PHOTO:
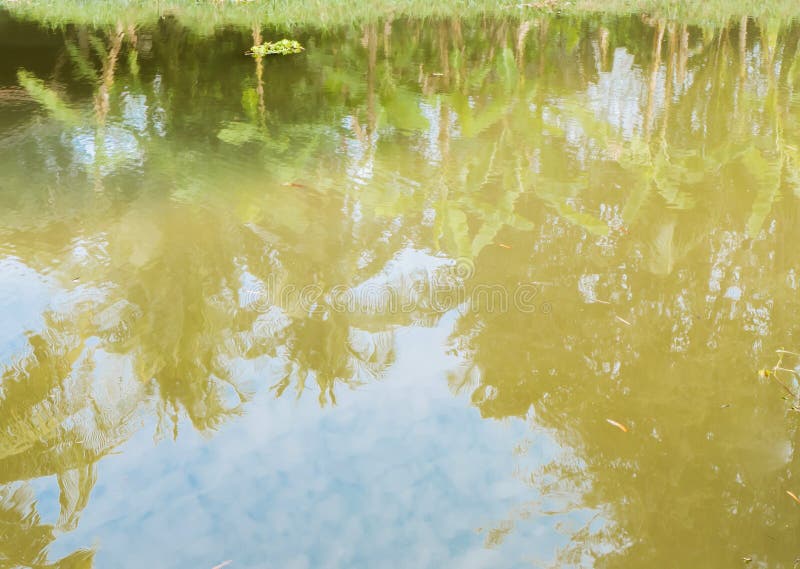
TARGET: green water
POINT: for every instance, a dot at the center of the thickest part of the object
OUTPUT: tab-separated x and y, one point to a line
478	294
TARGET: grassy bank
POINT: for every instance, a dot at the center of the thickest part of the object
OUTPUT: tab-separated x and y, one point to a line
207	14
693	11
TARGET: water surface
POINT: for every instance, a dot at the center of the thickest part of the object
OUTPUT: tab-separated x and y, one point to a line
450	293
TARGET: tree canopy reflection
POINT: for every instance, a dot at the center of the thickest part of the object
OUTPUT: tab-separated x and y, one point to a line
641	172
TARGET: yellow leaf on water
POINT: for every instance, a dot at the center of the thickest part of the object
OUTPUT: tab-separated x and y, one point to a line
618	425
794	497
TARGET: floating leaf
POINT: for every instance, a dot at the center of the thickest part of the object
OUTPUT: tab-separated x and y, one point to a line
794	496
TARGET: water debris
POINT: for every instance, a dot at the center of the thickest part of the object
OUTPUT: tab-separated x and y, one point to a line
773	374
504	246
280	47
793	496
621	319
223	564
293	185
725	406
787	352
618	425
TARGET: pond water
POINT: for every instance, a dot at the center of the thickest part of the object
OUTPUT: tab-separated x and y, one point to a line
448	293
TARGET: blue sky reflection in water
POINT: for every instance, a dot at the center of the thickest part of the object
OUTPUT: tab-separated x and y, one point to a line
390	470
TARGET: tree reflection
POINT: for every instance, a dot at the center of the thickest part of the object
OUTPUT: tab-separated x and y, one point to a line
641	172
687	284
25	538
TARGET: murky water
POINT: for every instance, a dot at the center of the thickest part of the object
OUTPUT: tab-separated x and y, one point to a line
431	294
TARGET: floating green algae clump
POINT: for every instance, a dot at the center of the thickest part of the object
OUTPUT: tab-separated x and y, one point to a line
282	47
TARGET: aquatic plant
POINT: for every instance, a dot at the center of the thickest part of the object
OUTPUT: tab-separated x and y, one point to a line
280	47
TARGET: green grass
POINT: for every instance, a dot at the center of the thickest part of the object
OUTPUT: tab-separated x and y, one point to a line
205	15
695	11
